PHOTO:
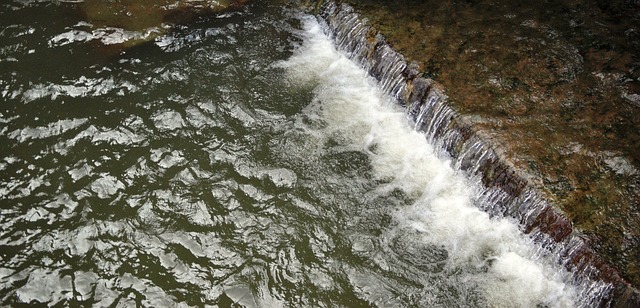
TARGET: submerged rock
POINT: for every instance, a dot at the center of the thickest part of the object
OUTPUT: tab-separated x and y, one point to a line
128	23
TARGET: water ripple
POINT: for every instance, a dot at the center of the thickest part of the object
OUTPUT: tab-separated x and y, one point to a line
82	87
53	129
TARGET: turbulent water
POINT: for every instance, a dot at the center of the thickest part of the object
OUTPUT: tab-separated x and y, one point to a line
240	160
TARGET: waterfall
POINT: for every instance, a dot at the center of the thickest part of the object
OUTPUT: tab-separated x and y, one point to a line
504	191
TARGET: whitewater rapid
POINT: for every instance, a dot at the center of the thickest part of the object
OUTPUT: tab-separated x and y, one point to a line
489	254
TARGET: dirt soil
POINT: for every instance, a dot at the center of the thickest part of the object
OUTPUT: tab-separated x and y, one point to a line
555	84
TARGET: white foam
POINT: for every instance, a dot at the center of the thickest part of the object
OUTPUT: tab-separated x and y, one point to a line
352	108
107	35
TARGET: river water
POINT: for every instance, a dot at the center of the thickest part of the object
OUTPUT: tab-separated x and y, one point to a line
239	160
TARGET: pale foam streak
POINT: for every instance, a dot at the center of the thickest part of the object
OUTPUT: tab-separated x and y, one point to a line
501	260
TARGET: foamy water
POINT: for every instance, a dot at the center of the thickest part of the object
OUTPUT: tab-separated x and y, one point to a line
486	253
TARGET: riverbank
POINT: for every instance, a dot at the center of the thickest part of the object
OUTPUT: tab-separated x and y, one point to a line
554	86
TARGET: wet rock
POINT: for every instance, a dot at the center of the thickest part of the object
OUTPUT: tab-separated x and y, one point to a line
412	70
553	223
419	89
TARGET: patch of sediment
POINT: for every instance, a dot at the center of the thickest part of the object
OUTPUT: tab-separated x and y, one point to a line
507	191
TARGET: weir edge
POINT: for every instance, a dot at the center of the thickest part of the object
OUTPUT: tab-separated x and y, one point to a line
507	191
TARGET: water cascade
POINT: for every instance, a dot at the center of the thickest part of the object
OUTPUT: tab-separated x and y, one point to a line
504	192
441	222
